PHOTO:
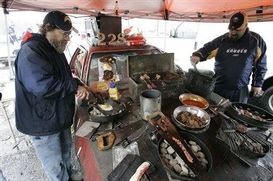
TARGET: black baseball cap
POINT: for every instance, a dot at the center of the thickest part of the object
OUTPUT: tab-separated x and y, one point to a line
237	20
59	19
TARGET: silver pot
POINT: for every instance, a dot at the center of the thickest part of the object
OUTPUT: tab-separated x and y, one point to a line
193	110
201	82
150	102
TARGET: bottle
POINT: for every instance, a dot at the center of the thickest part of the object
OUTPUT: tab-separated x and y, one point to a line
113	91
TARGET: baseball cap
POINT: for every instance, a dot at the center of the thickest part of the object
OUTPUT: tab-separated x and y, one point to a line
59	19
237	20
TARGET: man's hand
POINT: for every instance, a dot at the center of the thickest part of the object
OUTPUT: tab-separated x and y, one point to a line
256	91
195	60
82	93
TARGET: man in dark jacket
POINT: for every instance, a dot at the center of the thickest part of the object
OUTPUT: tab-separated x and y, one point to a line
45	94
238	54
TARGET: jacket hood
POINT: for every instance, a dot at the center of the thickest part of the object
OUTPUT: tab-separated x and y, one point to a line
32	36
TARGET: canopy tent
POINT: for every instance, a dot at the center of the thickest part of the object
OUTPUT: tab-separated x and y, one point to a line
186	10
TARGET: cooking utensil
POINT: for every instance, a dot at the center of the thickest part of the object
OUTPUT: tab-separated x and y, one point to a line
248	145
147	84
193	100
150	82
193	110
240	128
234	111
134	136
189	137
168	132
123	133
229	145
194	66
236	126
201	83
157	77
254	152
150	102
119	109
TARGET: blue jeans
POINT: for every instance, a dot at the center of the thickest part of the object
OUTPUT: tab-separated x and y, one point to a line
2	178
54	151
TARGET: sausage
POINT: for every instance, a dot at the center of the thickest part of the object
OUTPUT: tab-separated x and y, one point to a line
140	171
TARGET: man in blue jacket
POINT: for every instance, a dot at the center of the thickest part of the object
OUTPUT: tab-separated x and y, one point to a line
238	54
45	94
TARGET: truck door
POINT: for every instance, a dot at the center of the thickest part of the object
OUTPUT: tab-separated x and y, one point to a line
77	62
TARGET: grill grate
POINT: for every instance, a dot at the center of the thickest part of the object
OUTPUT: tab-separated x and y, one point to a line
248	146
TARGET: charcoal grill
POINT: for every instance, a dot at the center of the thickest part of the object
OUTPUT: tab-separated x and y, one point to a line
240	143
170	83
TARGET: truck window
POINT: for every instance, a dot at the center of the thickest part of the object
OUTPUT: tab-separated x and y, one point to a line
79	62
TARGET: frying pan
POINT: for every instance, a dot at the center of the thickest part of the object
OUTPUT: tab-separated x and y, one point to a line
119	109
110	116
204	148
233	112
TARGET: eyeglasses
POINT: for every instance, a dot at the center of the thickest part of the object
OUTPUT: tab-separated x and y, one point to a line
66	34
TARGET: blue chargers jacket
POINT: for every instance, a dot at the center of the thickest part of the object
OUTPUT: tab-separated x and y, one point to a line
235	61
45	88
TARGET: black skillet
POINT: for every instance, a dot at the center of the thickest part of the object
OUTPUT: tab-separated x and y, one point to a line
233	111
189	137
119	109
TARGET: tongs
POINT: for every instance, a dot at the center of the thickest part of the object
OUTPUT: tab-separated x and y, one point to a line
236	126
149	80
194	66
157	77
144	80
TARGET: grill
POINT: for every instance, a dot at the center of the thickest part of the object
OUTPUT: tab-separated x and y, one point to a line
246	143
247	147
155	71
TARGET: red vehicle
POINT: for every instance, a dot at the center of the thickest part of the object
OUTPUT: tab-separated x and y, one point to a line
84	64
97	164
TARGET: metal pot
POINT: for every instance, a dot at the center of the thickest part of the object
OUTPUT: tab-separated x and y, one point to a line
193	110
200	82
150	102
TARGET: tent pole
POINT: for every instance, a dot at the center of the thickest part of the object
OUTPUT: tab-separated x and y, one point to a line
165	38
11	73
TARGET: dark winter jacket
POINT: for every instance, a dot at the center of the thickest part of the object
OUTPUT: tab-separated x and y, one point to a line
45	89
236	60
